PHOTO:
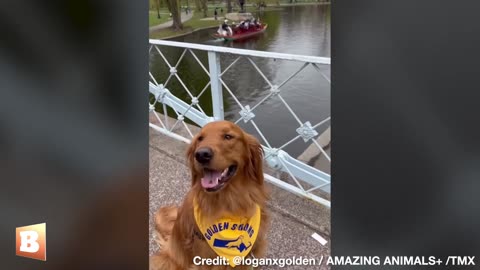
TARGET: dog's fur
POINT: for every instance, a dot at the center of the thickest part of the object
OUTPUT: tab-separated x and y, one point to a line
176	227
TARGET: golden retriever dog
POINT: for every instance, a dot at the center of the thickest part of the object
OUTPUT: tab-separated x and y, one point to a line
227	179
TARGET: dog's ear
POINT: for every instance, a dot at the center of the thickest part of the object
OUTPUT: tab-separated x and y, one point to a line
191	157
254	166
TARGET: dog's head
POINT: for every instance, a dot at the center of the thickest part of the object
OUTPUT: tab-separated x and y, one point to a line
222	153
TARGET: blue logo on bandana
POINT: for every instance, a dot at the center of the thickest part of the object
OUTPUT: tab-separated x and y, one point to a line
237	243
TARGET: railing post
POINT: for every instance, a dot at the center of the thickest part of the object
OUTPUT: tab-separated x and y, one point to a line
215	84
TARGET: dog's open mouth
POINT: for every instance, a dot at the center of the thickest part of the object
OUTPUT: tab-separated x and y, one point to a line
214	180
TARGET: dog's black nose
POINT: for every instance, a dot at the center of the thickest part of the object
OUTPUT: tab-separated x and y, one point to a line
204	155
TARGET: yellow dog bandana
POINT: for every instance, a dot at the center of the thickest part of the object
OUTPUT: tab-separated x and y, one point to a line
229	236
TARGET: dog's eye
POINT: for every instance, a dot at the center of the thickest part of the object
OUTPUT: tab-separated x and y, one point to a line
228	137
200	138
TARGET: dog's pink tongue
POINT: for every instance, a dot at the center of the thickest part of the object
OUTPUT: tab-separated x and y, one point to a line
210	179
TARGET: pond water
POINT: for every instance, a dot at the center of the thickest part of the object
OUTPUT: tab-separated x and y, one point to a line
303	30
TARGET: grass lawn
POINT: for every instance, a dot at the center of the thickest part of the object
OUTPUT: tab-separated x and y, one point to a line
194	23
153	20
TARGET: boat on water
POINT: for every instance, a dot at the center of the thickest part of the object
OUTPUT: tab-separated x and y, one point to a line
242	34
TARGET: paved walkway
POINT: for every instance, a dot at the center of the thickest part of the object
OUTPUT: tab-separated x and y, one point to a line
294	219
185	17
219	19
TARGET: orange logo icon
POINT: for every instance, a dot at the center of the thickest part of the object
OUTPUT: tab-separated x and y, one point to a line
31	241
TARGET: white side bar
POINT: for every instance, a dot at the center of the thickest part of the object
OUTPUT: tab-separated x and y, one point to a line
169	133
216	85
283	56
305	172
180	105
279	183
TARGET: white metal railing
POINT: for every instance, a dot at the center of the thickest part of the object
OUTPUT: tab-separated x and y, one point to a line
275	157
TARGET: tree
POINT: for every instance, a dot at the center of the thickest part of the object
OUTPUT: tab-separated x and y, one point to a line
229	6
204	7
157	4
198	5
174	8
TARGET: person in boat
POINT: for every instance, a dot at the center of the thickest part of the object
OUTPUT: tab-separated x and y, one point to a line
229	29
235	27
241	26
244	26
224	29
258	23
255	23
247	24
